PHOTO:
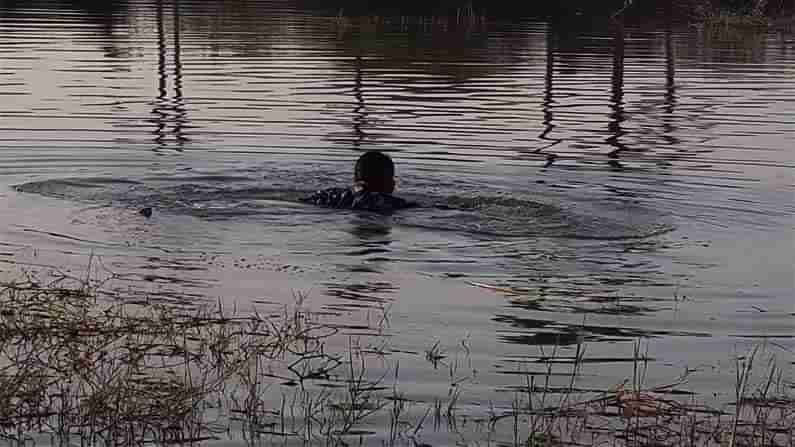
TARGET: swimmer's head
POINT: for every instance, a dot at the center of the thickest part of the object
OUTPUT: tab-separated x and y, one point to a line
375	172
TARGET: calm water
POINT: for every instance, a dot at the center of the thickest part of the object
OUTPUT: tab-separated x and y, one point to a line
579	182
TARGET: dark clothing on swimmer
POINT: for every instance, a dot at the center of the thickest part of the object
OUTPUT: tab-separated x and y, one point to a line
349	198
374	183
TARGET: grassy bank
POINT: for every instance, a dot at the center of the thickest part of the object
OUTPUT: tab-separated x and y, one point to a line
80	369
755	13
743	13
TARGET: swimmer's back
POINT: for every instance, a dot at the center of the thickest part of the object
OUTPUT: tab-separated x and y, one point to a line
348	198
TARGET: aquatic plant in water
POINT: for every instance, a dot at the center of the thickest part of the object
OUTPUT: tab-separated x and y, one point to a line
77	368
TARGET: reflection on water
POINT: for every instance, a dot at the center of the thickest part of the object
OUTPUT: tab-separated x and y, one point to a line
382	84
579	181
169	111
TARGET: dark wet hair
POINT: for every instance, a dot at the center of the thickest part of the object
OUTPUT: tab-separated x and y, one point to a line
374	168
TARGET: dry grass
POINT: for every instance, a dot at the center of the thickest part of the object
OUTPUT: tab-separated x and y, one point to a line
74	368
77	370
630	414
728	19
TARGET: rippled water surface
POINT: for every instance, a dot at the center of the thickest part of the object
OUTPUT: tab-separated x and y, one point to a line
578	181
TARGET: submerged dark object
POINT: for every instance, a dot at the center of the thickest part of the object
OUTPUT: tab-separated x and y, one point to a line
146	212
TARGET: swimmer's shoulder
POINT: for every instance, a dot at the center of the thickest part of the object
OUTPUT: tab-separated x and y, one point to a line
380	202
330	197
348	198
399	203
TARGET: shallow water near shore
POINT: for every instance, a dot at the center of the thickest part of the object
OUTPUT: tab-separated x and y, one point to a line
579	182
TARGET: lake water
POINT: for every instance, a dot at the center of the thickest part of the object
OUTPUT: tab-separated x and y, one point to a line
579	182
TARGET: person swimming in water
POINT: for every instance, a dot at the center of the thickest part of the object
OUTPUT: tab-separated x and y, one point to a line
373	185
